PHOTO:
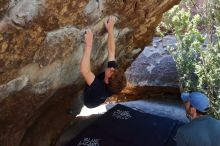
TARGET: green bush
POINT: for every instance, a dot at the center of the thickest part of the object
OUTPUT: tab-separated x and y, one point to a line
198	63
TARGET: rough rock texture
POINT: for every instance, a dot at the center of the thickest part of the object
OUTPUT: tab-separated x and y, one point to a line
153	74
154	66
40	50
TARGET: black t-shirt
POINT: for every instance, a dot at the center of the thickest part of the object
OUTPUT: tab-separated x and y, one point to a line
97	92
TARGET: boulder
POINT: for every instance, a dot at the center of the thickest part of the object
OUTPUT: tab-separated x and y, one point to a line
152	75
154	66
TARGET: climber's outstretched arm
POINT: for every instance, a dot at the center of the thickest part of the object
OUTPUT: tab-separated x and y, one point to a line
85	68
109	24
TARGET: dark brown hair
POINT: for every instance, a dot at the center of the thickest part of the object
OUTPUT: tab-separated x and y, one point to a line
117	81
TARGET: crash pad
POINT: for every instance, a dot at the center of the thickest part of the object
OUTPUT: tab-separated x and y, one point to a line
124	126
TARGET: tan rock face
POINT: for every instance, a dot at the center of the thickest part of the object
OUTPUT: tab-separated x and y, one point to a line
41	43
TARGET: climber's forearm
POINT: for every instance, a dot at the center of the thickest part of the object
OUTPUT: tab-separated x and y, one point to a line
85	62
85	68
111	46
